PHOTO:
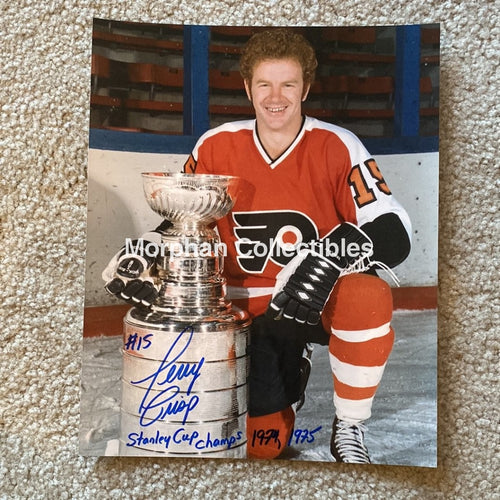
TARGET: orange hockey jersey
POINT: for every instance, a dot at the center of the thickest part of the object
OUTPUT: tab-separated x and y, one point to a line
324	178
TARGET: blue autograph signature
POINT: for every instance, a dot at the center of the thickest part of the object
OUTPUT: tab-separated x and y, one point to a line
170	401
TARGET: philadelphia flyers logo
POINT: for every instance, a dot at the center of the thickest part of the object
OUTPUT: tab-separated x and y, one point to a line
190	165
270	235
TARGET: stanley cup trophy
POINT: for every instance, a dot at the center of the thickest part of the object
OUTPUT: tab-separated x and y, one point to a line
185	359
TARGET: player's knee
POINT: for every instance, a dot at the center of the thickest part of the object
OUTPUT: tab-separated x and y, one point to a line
358	302
268	435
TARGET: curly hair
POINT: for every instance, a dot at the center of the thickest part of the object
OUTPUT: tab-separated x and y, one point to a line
279	43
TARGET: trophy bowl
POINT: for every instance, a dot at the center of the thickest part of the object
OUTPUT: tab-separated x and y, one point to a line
194	198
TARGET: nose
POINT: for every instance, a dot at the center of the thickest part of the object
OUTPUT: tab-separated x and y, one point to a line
275	92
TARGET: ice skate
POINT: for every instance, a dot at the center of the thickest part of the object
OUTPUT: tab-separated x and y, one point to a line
347	443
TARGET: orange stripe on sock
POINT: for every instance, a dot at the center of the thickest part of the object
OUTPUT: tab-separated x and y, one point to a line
354	393
373	352
359	302
352	318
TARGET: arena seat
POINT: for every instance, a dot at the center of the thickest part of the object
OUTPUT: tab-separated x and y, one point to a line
353	45
225	80
105	101
128	42
363	35
154	76
429	43
153	106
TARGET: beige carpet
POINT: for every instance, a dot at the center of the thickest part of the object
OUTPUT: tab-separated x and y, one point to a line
44	94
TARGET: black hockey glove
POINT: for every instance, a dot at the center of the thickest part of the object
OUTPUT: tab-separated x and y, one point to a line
129	277
304	285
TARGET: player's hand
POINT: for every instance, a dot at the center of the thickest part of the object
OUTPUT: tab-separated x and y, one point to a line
304	285
131	278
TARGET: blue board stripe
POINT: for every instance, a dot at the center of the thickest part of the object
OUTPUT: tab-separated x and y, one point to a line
183	144
140	142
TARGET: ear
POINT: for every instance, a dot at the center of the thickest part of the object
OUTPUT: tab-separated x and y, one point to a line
305	93
247	89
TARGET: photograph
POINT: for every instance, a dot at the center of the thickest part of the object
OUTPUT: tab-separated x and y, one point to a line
262	243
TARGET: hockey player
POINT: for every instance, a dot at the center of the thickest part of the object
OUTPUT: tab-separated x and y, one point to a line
312	223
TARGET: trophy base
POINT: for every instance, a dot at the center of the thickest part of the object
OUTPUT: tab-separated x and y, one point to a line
184	384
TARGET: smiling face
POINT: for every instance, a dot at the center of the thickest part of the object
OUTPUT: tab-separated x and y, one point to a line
277	90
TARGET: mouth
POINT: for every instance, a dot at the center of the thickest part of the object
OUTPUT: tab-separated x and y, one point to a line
275	109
